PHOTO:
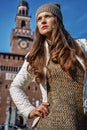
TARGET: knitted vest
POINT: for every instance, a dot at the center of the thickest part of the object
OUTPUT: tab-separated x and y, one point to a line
66	101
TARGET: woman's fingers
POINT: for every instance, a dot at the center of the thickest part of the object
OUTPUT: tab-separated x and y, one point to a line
37	113
40	111
34	113
43	108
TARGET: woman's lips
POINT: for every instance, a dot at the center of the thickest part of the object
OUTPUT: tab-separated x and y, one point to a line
44	27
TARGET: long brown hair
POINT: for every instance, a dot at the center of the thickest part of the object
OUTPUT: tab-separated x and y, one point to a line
62	51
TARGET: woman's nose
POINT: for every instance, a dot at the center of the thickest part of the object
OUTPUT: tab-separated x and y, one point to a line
43	20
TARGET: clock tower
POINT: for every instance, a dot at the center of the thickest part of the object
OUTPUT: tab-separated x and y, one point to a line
21	37
11	63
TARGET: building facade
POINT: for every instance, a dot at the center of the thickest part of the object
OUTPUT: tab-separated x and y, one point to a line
21	42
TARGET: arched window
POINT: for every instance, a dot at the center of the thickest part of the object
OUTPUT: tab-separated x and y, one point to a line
23	12
23	23
19	12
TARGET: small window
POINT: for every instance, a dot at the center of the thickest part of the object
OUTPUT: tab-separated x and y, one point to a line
28	87
23	12
23	24
35	88
6	86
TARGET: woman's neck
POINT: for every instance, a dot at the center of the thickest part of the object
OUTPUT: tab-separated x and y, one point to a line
49	41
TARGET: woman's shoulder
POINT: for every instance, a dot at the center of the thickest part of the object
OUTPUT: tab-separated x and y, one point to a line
82	42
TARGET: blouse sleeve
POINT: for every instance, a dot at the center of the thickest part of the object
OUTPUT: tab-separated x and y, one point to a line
18	95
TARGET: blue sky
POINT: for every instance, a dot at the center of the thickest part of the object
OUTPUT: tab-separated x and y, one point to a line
74	17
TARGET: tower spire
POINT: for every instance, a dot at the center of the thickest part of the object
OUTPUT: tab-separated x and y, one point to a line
23	3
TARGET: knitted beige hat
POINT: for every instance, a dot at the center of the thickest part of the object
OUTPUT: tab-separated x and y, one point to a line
53	8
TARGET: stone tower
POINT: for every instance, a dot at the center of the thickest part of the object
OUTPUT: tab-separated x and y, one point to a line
21	37
10	63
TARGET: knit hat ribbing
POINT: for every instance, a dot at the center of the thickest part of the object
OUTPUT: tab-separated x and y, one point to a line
52	8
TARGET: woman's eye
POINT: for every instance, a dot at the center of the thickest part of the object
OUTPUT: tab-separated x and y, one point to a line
48	16
38	19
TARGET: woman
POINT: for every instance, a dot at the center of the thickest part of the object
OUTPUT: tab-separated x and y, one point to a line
58	65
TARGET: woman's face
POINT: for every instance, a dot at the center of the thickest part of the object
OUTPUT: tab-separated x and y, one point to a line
46	23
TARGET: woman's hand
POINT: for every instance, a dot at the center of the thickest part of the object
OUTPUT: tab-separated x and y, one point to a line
41	111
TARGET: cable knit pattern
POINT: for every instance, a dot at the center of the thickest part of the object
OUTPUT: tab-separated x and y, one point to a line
66	101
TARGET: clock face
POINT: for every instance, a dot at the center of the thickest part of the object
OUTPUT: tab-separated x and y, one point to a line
23	44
